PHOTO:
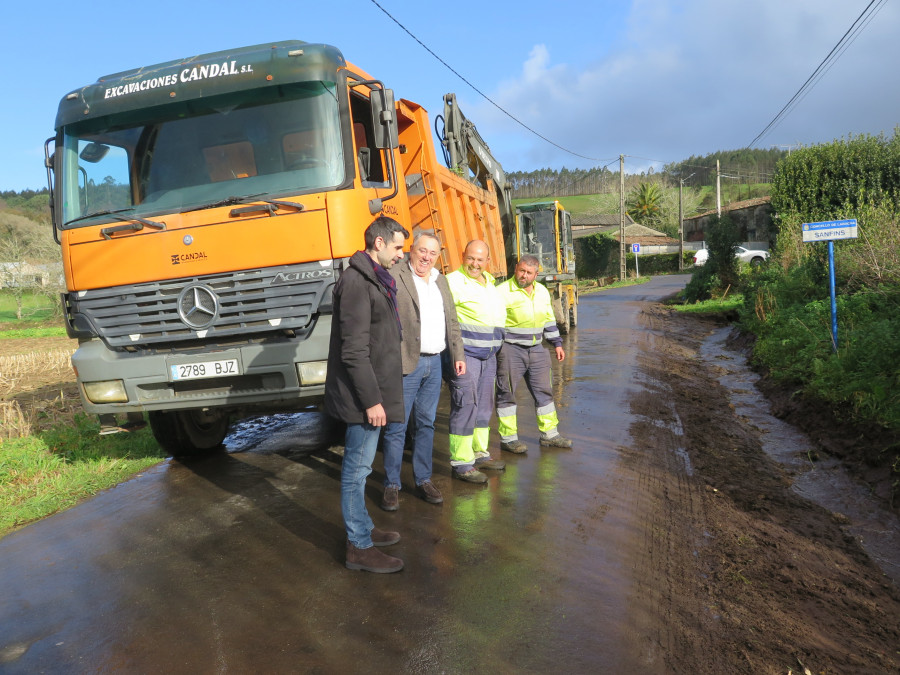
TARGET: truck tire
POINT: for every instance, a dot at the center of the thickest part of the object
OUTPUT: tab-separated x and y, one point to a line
189	432
561	310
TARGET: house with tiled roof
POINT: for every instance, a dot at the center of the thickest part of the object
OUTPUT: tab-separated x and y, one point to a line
753	217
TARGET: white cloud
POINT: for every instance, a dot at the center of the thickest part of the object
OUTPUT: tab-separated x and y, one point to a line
691	78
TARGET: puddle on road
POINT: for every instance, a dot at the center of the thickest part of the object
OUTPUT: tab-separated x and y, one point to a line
300	432
824	482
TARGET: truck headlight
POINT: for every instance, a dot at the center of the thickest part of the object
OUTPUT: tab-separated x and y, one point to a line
105	391
312	372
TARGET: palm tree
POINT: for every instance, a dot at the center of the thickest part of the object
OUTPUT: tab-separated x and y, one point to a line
643	203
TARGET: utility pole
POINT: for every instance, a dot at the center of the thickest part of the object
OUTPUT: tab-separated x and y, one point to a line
718	190
622	271
681	222
681	225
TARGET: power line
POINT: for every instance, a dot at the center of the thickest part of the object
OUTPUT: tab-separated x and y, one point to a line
826	64
481	93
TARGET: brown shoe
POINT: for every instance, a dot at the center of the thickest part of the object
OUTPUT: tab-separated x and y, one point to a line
470	476
516	447
488	463
391	499
384	537
430	493
371	560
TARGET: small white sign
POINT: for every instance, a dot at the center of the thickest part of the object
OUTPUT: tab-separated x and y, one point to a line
828	230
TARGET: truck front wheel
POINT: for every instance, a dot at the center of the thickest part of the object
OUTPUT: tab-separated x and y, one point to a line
189	432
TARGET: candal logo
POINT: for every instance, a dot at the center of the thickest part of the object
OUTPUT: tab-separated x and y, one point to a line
179	258
305	275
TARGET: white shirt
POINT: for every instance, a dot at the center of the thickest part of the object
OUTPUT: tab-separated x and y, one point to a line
432	339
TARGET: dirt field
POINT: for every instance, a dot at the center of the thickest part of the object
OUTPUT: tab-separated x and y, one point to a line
744	575
37	388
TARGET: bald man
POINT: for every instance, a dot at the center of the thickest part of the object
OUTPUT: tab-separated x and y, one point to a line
482	314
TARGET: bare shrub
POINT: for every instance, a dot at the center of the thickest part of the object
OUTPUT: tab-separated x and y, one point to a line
874	258
13	422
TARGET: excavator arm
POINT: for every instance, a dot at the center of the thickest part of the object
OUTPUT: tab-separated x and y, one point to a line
467	154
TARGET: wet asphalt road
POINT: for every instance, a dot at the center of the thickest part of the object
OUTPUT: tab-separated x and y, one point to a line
234	563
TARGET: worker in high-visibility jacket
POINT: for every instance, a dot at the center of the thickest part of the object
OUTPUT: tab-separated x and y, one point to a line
529	320
481	313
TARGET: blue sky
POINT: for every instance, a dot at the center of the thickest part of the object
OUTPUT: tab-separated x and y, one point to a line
656	80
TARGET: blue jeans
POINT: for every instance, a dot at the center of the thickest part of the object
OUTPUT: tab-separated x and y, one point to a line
421	387
359	451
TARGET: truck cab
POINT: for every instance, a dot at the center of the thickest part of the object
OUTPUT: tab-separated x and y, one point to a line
544	230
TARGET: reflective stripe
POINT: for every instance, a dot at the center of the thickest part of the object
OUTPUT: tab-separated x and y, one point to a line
481	336
461	450
506	411
546	409
480	441
525	337
548	422
551	332
508	427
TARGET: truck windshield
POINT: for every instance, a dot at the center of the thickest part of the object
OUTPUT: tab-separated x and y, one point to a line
539	237
277	141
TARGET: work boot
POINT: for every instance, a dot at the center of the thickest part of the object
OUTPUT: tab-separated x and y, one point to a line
470	476
371	560
384	537
430	493
391	499
516	447
489	463
556	442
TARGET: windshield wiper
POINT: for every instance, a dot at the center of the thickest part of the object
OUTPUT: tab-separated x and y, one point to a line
134	222
267	206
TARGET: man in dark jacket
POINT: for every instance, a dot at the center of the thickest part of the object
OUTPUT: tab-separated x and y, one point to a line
364	385
428	317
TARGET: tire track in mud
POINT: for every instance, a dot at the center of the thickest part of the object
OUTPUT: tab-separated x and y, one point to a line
669	606
737	573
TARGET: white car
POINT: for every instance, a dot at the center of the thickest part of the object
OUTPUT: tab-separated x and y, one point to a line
751	256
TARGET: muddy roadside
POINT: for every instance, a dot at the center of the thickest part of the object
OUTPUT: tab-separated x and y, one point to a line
750	576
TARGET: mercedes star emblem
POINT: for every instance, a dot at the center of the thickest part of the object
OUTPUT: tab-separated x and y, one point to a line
198	307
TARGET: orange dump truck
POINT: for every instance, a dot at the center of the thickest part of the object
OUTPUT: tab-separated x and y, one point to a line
205	208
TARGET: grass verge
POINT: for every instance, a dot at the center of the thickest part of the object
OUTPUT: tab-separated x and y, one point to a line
51	456
54	470
35	332
727	306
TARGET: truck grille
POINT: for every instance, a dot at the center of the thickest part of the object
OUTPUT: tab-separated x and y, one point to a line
205	308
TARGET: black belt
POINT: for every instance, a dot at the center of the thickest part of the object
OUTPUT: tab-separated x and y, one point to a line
424	354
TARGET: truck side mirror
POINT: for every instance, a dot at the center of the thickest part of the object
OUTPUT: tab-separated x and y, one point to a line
384	119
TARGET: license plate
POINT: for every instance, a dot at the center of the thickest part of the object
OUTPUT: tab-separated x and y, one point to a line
202	369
